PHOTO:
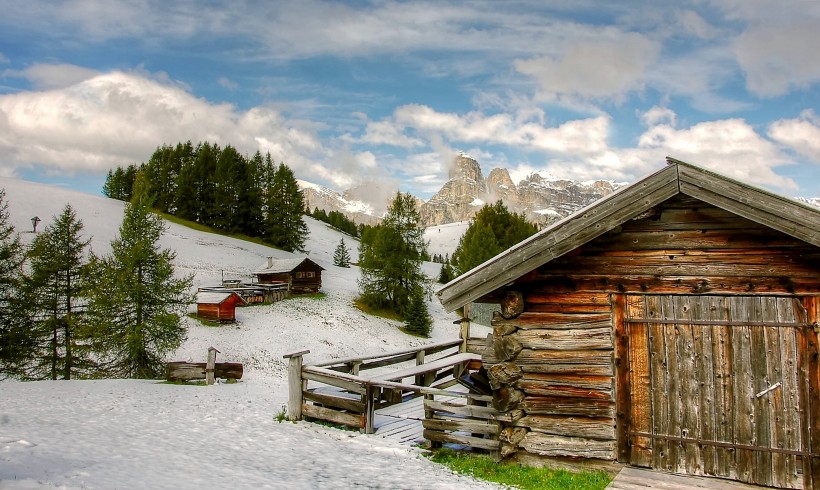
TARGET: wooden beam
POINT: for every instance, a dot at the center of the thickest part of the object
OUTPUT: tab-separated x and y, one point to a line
622	388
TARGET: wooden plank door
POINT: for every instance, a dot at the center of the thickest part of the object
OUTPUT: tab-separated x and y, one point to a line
716	388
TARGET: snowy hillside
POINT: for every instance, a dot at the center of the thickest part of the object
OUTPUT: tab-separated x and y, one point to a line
141	434
443	239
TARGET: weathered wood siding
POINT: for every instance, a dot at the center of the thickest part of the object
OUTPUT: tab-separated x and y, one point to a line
553	367
715	387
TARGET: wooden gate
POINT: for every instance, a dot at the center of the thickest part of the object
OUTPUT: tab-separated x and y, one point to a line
720	385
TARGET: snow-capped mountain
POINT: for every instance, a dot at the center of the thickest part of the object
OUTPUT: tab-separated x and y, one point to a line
814	201
317	196
541	197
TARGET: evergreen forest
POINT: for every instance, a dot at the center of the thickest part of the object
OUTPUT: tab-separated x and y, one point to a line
220	188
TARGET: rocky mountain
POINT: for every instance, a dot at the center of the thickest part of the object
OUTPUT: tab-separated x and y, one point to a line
317	196
813	201
542	198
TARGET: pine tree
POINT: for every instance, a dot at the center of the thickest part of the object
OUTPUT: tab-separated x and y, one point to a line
14	339
493	230
135	300
55	290
417	318
390	257
341	256
285	227
446	274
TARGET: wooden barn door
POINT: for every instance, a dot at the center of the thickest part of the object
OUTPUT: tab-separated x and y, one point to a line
720	385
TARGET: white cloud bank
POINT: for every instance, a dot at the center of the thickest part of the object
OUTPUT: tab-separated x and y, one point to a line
117	118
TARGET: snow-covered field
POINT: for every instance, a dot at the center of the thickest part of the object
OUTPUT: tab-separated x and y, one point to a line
144	434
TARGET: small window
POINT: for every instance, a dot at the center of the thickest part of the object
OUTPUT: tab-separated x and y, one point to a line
300	275
310	274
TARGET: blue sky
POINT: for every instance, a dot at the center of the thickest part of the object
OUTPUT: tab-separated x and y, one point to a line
385	93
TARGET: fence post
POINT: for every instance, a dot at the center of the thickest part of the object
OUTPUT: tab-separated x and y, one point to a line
464	332
295	384
369	408
210	366
419	361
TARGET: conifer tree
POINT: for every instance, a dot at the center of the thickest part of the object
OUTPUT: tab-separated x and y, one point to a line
417	319
341	256
446	274
390	257
54	291
284	225
135	300
493	230
14	338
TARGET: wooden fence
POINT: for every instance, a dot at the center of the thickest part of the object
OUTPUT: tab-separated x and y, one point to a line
340	392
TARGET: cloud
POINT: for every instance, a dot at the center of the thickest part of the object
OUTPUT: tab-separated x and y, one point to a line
659	115
802	134
44	76
778	58
387	133
582	136
729	146
227	83
692	23
597	69
4	58
118	118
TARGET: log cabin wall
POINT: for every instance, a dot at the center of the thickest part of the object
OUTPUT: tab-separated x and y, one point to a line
552	361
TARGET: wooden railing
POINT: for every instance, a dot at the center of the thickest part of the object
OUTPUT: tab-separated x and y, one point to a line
343	391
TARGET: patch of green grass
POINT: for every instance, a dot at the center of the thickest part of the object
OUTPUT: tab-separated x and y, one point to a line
251	305
282	415
384	313
200	227
519	476
207	323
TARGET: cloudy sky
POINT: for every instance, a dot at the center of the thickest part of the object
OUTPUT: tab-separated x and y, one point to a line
348	93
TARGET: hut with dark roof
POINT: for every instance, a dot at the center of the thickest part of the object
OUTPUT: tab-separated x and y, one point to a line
302	275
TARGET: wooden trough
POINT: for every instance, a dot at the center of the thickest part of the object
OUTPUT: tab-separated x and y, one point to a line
191	371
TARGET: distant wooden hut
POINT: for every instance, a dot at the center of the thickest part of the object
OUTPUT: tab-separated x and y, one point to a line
218	306
301	274
670	325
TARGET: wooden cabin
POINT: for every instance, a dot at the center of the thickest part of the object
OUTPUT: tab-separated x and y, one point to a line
302	275
219	306
671	325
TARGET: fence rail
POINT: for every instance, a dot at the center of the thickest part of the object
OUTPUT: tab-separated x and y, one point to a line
339	392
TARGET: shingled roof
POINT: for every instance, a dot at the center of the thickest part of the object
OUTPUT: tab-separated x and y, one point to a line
277	266
766	208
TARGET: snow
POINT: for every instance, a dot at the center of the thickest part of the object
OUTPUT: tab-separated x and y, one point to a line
347	205
443	239
145	434
547	211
